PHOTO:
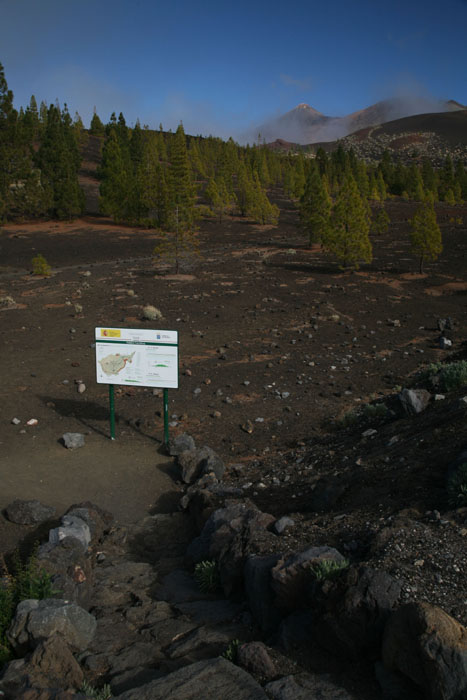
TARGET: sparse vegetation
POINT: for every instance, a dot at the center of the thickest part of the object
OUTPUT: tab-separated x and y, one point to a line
348	419
328	569
377	410
207	576
457	487
27	580
103	693
40	266
449	376
231	652
425	236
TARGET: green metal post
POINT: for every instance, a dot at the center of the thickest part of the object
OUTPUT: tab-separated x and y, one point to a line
166	417
112	411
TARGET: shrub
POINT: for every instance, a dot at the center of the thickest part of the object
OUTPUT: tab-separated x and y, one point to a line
40	266
452	375
348	419
232	651
207	576
204	212
29	581
328	569
378	410
457	487
103	693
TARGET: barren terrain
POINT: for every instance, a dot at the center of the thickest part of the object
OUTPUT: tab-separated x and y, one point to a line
276	345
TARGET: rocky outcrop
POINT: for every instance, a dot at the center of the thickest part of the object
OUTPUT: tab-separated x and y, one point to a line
429	647
217	678
356	609
28	512
147	629
37	620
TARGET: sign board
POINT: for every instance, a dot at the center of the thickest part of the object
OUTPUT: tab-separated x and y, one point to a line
137	357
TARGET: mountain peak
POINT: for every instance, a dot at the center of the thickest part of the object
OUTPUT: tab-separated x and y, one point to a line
306	108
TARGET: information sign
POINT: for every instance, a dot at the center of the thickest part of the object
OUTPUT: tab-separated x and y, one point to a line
137	357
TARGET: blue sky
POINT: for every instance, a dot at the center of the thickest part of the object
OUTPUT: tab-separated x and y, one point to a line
223	68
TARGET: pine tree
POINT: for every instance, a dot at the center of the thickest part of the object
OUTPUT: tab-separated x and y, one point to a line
179	242
8	148
244	188
381	221
461	178
182	191
58	159
425	236
96	127
218	195
116	186
347	237
258	205
315	208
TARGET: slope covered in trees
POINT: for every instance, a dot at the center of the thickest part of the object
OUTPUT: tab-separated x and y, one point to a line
169	181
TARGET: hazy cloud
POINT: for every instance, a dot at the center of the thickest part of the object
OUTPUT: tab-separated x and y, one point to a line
198	117
298	83
82	91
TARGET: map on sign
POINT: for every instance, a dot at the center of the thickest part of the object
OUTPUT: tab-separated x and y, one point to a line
137	357
113	364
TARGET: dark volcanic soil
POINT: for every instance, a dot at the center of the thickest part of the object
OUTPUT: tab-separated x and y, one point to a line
276	345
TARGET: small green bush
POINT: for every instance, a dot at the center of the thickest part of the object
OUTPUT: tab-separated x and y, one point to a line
231	652
40	266
103	693
207	576
377	410
348	419
457	487
29	581
204	212
449	376
328	569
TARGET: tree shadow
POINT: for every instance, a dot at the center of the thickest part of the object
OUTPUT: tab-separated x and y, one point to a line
89	412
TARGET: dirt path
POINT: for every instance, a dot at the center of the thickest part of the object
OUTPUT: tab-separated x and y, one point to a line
128	476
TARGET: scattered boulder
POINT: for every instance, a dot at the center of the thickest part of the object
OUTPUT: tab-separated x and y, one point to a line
414	400
229	536
292	576
305	686
7	302
357	607
73	441
36	620
199	461
71	526
97	519
70	570
205	496
281	525
254	658
28	512
222	678
425	644
181	443
150	313
444	343
52	665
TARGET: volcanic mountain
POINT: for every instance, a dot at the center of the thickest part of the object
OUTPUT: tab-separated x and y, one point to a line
306	125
